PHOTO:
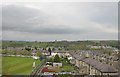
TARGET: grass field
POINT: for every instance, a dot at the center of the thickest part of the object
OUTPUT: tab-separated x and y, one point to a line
67	68
18	65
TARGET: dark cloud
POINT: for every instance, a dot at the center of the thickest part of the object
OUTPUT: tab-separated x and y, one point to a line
22	19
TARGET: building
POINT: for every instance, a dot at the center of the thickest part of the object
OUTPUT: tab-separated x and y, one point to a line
60	53
57	64
91	66
46	53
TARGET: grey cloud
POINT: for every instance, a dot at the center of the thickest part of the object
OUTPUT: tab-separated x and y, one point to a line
107	13
24	21
101	13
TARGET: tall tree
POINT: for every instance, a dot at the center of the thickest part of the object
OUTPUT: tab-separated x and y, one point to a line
49	50
56	58
36	48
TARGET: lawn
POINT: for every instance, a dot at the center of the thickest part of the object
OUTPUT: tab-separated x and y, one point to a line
18	65
67	67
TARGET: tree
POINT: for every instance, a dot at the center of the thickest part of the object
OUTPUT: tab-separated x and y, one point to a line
56	58
39	53
53	49
15	52
27	48
10	52
119	55
49	50
36	48
30	53
25	52
21	53
59	49
4	51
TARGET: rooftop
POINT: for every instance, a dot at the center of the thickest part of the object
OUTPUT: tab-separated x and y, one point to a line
105	68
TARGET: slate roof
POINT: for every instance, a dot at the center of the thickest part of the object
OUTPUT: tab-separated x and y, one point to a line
62	51
78	57
45	51
104	68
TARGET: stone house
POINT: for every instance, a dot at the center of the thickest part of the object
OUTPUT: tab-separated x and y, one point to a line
92	66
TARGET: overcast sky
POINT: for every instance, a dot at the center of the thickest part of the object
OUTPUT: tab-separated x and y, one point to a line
60	21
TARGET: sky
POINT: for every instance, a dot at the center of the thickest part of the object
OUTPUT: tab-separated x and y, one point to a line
46	21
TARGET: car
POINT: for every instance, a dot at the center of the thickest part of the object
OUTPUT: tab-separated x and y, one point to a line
47	73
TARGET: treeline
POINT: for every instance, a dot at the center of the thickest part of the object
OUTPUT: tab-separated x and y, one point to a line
66	45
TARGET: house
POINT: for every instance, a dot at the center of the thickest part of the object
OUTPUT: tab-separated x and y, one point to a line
57	64
53	54
102	58
46	53
10	48
63	53
33	54
60	53
92	66
69	58
114	61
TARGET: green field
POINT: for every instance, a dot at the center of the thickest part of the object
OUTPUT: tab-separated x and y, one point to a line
18	65
67	68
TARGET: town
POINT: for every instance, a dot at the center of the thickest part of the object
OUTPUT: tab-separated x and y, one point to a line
64	58
59	38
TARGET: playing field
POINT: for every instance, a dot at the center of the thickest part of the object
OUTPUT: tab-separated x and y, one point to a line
18	65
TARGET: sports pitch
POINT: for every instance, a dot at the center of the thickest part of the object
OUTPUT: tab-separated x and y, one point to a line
18	65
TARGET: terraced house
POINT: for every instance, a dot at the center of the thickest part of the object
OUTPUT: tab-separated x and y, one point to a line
90	66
